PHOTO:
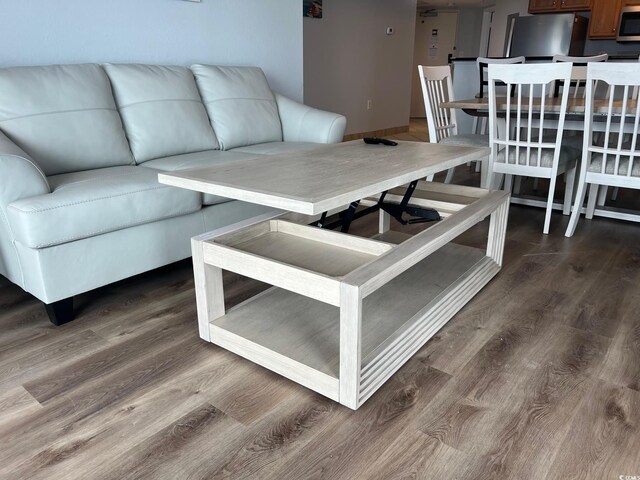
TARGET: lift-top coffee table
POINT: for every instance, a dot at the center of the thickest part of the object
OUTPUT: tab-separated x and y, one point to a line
344	312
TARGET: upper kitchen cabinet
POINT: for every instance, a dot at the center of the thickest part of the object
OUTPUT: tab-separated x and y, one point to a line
556	6
605	16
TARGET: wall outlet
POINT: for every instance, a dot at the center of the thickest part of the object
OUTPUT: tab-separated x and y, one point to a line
369	104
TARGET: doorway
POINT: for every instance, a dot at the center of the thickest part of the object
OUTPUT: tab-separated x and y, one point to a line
435	40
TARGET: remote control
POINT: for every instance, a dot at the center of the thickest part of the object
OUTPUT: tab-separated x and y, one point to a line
379	141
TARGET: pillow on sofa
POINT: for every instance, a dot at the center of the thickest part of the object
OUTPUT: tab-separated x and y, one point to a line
63	116
161	109
240	104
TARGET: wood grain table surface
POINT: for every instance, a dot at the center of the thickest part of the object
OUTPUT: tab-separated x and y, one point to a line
318	180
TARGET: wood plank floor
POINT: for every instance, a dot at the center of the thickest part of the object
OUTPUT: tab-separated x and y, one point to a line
538	377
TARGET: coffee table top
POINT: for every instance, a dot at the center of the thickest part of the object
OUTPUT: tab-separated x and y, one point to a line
328	177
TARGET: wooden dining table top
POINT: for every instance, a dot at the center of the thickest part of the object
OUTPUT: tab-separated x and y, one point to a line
574	105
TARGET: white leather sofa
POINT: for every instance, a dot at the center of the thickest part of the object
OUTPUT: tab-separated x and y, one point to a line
80	151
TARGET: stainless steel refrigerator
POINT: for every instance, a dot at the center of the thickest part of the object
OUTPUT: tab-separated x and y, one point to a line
548	35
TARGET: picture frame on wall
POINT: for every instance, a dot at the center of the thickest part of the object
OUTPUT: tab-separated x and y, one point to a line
312	8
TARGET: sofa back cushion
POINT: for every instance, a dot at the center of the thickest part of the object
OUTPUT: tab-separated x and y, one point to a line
63	116
161	109
240	104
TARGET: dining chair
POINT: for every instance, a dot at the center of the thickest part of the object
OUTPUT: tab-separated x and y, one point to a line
484	62
437	87
579	74
520	142
611	160
480	123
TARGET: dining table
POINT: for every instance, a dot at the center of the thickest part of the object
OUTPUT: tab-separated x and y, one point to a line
574	121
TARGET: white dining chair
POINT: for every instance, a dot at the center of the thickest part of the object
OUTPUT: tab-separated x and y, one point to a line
579	74
480	123
612	159
437	88
520	143
483	63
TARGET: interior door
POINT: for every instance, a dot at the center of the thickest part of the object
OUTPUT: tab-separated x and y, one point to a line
435	40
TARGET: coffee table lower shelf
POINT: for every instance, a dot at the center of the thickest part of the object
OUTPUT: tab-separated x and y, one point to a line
299	337
380	302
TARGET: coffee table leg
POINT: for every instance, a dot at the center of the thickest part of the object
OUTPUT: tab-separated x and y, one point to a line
350	344
209	290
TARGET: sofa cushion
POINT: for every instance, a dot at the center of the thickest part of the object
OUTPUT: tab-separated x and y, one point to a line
63	116
241	106
199	160
89	203
161	109
273	148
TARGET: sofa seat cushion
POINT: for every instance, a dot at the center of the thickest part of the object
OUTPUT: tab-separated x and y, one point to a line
85	204
161	109
63	116
240	104
272	148
199	160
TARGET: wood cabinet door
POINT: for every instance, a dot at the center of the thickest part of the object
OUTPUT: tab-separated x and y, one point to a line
538	6
605	15
575	5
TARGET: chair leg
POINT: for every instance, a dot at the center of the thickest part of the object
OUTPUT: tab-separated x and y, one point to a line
517	185
568	190
484	173
614	195
449	177
535	184
591	203
429	178
384	221
577	207
547	215
602	195
508	183
478	166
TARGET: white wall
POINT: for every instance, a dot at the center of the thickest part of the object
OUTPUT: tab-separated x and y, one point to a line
266	33
348	59
504	8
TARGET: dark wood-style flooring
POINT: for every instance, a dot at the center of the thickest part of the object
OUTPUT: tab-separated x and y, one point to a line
538	377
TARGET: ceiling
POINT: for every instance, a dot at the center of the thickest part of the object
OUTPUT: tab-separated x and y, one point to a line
452	3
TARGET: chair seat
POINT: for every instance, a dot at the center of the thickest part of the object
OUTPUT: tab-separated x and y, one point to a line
596	165
85	204
467	140
567	154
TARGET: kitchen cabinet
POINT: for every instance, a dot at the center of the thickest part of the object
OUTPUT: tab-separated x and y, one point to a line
605	16
557	6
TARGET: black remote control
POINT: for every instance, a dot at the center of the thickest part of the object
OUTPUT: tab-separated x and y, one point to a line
379	141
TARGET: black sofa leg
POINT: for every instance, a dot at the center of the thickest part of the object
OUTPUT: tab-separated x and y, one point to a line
60	312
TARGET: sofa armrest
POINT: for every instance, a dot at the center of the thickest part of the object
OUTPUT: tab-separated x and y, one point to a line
20	176
301	123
